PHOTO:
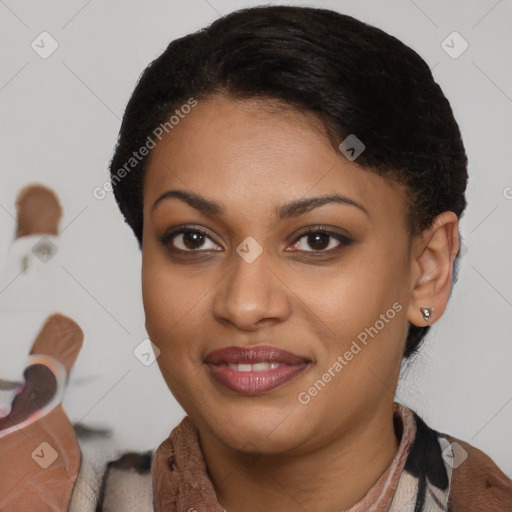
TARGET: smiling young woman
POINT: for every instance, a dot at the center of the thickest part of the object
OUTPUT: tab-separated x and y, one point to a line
284	278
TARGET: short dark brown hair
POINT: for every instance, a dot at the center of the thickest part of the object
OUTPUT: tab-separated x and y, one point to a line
356	78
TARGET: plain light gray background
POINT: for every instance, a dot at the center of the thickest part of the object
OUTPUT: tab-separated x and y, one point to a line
60	117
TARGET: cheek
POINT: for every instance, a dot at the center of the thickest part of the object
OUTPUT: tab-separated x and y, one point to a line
167	323
173	308
362	303
154	299
353	296
162	297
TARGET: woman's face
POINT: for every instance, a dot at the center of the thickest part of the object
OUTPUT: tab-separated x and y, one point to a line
245	275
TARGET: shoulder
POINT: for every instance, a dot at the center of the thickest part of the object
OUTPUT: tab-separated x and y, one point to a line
477	482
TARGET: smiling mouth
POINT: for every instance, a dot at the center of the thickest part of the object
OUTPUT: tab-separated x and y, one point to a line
254	370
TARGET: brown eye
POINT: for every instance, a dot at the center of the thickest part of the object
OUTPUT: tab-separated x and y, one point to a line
320	240
192	239
188	240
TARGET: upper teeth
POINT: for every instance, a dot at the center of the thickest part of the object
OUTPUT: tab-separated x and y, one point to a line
256	367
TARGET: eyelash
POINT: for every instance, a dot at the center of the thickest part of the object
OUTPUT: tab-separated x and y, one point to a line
344	240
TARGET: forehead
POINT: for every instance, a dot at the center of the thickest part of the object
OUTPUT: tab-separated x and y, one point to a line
250	152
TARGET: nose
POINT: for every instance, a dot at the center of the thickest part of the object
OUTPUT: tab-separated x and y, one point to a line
251	295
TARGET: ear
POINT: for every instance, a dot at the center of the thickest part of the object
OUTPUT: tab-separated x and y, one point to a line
433	254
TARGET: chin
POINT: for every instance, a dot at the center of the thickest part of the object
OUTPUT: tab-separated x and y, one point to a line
258	428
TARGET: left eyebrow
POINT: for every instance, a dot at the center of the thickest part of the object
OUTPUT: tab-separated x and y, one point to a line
301	206
288	210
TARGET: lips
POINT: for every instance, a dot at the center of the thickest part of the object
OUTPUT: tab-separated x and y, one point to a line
254	370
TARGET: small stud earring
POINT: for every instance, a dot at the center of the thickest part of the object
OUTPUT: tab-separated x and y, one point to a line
427	313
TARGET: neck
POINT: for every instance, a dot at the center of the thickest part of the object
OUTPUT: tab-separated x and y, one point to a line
330	478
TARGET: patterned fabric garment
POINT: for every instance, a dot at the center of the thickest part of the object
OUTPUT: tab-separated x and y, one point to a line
417	480
431	472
